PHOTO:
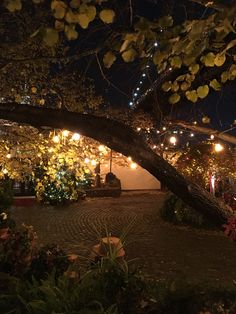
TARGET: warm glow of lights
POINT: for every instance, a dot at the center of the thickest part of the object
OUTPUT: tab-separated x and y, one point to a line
133	165
212	137
129	159
138	129
65	133
8	156
154	146
86	160
192	135
164	128
56	139
5	171
101	148
75	136
195	122
218	147
173	140
93	162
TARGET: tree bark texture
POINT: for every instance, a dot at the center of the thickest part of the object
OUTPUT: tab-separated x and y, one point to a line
123	139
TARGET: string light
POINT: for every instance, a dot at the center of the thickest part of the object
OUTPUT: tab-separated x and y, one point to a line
101	148
56	139
5	171
133	165
212	137
86	160
65	133
192	135
173	140
218	147
8	156
75	136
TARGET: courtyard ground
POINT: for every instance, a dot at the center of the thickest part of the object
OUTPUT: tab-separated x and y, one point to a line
161	249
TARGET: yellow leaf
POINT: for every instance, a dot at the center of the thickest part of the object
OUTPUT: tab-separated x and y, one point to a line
220	59
14	5
215	85
192	96
108	59
176	62
33	90
91	12
173	99
202	91
158	57
166	86
185	85
75	4
224	76
107	16
209	59
59	25
70	32
194	68
129	55
83	20
59	9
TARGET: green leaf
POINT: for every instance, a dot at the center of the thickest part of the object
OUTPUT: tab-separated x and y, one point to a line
176	62
219	59
107	16
50	37
173	99
215	85
166	86
202	91
108	59
192	96
129	55
13	5
209	59
194	68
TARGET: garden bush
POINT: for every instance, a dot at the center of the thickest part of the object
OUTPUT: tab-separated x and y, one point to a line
174	210
6	194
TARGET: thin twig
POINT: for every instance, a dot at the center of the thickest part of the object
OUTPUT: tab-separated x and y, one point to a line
131	12
106	79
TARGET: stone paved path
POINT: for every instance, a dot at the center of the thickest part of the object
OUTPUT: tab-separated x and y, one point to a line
161	249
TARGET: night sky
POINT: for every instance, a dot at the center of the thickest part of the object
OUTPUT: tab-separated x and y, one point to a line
219	106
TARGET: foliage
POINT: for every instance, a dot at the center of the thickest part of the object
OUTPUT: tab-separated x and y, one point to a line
6	194
174	210
230	228
200	161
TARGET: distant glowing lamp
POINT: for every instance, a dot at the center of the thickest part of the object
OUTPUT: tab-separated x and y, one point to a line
173	140
164	128
56	139
218	147
75	136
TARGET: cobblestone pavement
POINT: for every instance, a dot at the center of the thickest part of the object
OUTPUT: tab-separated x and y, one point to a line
160	248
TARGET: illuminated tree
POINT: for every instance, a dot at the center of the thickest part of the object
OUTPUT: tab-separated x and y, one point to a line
37	39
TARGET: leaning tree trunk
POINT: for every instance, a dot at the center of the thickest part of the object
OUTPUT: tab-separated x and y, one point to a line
123	139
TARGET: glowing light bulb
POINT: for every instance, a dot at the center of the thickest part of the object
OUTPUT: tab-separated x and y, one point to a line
65	133
86	160
164	128
135	94
5	171
93	162
101	148
8	156
56	139
131	103
192	135
138	129
173	140
137	88
218	147
212	137
143	75
156	44
75	136
133	165
129	158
